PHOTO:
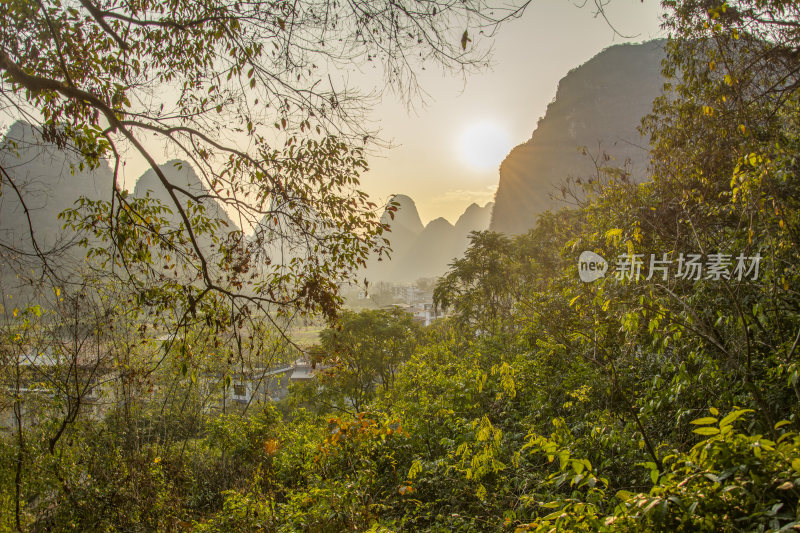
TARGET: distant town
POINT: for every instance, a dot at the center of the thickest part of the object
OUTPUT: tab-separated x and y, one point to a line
414	298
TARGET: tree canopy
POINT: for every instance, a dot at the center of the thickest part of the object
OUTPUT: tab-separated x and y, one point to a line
249	94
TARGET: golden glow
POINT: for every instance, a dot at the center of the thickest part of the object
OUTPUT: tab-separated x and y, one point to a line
484	145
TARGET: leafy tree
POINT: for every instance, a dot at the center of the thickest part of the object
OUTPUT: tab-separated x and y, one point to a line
480	286
245	92
724	182
363	354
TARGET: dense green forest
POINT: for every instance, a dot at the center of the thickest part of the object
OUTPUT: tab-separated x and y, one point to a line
661	402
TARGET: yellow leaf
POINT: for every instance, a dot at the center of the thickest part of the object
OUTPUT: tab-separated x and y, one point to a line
271	446
465	39
613	234
629	245
706	431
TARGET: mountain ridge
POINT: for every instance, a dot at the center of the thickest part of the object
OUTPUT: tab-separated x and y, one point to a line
425	251
599	106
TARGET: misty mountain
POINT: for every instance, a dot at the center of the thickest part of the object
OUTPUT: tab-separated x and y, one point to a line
405	226
425	251
433	249
406	217
475	218
49	180
181	174
598	105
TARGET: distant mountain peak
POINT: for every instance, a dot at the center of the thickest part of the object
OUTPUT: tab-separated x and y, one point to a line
402	198
406	218
439	222
20	130
50	181
180	172
426	251
599	105
475	218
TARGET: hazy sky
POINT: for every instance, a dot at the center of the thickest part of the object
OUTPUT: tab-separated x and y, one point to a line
530	56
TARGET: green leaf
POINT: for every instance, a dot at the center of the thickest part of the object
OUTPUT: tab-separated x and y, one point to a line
733	416
706	431
416	468
704	421
624	495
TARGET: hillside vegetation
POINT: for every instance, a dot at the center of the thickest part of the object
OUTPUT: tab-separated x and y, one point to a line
662	397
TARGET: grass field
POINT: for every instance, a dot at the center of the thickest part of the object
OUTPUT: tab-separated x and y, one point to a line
306	335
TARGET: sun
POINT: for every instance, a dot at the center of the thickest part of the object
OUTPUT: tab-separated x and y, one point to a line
483	145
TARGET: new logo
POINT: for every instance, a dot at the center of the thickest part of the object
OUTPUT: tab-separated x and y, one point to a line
591	266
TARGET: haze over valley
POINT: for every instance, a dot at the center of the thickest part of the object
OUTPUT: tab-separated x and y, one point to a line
598	105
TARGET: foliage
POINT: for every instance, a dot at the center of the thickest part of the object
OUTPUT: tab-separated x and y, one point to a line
361	355
243	92
542	403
